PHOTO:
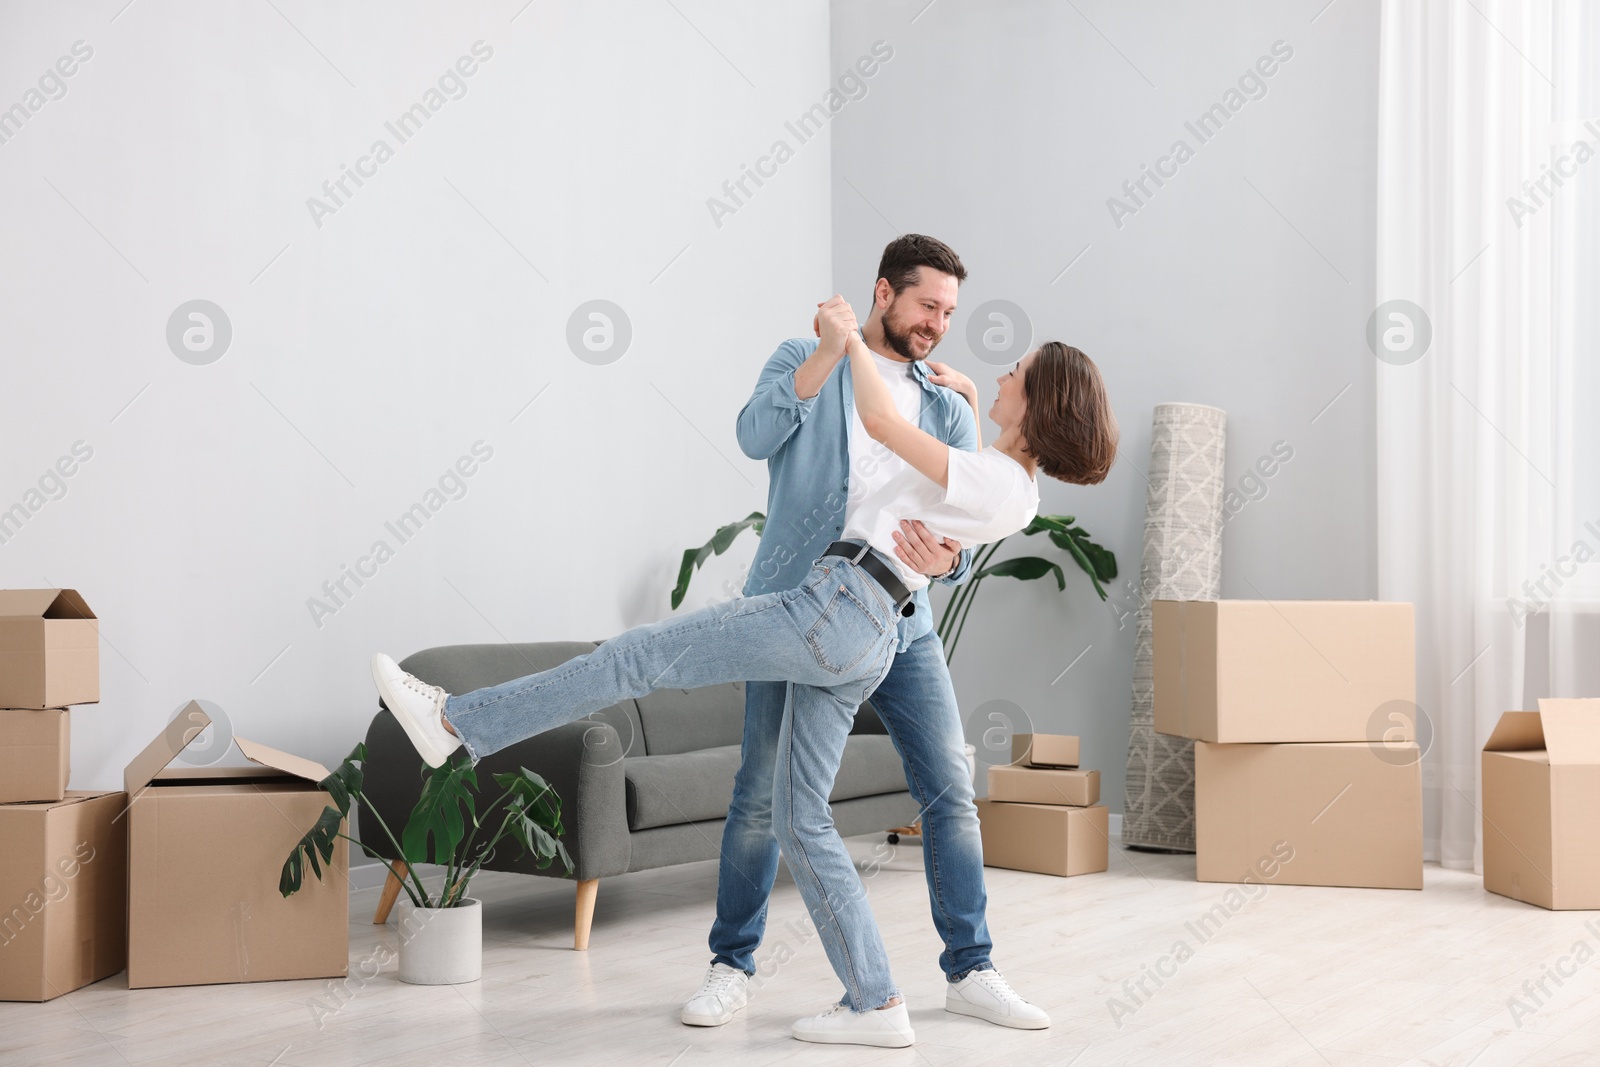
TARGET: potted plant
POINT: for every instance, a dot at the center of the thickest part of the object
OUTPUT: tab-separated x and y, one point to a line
1094	560
441	932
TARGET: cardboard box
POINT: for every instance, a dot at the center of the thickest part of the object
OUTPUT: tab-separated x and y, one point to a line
35	755
64	885
1541	796
1044	750
205	849
1344	814
1040	785
1044	839
1259	671
49	649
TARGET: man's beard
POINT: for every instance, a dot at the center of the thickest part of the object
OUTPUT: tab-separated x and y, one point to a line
900	339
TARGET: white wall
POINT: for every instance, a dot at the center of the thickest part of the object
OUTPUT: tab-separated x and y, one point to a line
1245	282
377	348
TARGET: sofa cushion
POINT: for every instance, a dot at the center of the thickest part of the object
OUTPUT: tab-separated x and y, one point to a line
685	720
687	787
460	669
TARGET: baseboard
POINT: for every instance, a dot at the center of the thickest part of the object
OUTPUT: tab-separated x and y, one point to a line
372	875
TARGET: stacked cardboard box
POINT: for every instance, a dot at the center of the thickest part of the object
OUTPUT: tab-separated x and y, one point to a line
49	661
175	877
63	886
1306	761
1043	813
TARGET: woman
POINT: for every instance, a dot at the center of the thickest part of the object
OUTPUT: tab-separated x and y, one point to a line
833	637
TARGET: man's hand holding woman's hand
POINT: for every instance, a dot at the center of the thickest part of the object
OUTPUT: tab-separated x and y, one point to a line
834	324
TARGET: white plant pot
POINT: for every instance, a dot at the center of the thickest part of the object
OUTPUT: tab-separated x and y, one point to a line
441	946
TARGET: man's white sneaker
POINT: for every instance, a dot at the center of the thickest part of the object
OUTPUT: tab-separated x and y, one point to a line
884	1028
986	995
418	707
721	996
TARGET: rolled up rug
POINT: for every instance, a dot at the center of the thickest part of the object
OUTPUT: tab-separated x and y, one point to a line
1182	561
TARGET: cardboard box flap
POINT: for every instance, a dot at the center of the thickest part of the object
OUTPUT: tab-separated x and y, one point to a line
1517	731
141	771
1571	729
310	770
43	604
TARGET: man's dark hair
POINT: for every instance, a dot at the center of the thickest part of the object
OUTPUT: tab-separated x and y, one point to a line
904	255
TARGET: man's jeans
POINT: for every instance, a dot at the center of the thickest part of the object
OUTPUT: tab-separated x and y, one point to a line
831	640
917	704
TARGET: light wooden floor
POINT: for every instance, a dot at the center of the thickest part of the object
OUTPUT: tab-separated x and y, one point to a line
1298	976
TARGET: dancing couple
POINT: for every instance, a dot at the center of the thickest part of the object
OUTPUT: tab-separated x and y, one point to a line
859	428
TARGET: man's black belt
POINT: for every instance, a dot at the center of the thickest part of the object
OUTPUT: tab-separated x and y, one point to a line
862	556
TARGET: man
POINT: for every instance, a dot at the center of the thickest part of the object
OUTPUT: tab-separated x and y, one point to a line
801	419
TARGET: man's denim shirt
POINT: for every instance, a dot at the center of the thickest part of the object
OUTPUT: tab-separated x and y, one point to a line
806	444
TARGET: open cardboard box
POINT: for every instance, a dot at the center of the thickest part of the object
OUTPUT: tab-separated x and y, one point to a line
1261	671
1541	805
35	755
1317	813
64	884
205	849
49	649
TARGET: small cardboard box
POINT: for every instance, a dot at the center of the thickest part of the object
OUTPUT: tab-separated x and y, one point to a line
205	849
49	649
1317	813
1041	785
1044	750
1541	805
1044	838
64	884
1259	671
35	755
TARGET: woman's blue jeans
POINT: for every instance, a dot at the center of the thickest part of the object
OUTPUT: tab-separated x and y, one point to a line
832	638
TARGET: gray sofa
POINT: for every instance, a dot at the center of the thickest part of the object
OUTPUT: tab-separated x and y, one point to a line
643	784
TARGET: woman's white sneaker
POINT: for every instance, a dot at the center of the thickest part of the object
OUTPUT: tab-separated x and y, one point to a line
418	707
721	996
884	1028
985	995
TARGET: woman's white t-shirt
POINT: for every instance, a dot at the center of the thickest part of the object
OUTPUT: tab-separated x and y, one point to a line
989	497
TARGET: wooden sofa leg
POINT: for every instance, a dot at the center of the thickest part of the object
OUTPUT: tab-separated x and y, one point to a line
586	894
391	890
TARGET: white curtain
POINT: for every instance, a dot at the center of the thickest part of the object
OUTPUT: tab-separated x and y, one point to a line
1488	459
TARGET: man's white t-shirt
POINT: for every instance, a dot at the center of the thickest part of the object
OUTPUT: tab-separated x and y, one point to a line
989	497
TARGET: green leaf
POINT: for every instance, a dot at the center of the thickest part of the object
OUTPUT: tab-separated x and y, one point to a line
1026	568
1080	549
317	841
694	558
344	784
1041	523
534	821
436	827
